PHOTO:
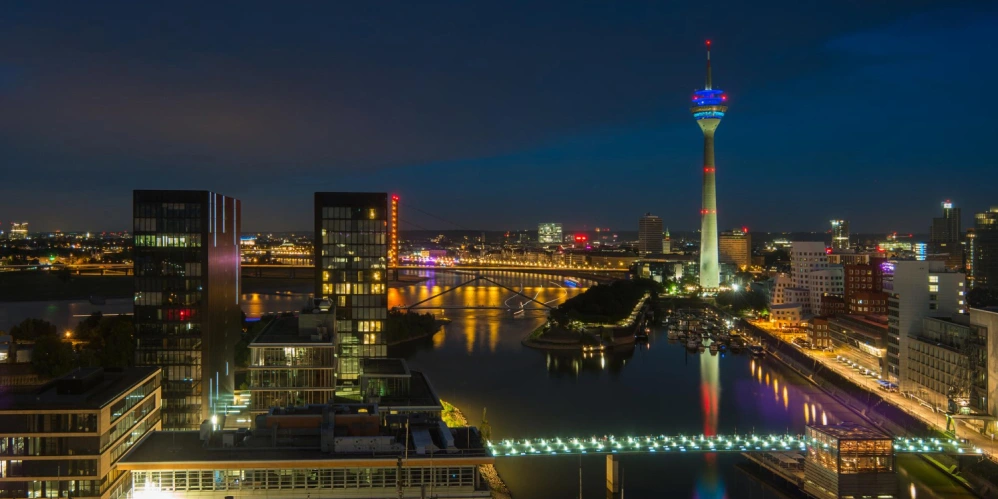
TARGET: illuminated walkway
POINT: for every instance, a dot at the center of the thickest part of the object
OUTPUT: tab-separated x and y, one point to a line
699	444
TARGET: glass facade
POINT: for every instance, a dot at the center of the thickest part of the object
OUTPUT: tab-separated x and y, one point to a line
549	233
849	462
186	295
184	482
50	465
352	251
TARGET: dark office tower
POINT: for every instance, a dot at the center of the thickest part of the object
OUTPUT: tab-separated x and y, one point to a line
187	315
351	255
985	249
945	235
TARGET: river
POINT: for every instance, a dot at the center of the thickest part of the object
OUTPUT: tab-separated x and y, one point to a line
477	362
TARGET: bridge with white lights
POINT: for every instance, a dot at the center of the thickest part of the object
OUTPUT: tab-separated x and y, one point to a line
662	444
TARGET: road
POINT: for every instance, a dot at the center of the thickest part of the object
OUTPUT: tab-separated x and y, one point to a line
930	416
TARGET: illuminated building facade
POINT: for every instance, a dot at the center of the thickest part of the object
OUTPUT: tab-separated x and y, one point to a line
66	438
840	234
550	233
393	233
708	108
187	310
293	361
849	461
649	234
351	253
667	242
735	247
985	249
18	231
919	289
393	444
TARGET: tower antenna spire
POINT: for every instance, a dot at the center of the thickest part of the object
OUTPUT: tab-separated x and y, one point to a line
707	83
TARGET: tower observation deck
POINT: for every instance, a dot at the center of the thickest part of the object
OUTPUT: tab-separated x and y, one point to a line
709	106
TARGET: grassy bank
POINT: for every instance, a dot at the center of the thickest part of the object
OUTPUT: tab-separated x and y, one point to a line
452	415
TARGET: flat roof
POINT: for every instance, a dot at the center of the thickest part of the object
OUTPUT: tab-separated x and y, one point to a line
284	331
848	431
81	389
421	394
384	367
185	450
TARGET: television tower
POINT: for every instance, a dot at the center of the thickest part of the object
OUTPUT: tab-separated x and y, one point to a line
708	108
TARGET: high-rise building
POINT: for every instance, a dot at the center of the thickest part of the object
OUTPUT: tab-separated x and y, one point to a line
18	230
666	242
919	289
649	234
708	108
549	233
985	249
187	310
351	254
66	438
840	234
735	247
945	235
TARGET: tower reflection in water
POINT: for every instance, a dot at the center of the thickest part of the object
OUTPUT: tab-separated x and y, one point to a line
709	484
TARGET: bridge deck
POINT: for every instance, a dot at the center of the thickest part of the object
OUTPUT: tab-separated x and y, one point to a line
699	444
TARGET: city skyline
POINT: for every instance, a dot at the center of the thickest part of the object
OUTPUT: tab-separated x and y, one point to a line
371	102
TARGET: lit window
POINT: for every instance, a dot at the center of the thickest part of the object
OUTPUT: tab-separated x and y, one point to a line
933	288
933	278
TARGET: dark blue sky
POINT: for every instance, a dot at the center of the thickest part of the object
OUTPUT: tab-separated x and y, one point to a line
500	115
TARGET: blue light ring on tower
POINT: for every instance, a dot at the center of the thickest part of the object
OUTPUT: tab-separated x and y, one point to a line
708	112
709	97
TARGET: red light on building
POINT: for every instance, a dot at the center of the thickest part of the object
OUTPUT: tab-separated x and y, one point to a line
581	238
881	250
828	251
745	230
393	234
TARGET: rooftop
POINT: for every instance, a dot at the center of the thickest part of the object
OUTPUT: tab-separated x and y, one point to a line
849	431
384	367
285	330
82	389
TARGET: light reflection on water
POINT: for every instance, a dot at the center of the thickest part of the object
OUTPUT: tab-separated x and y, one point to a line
477	361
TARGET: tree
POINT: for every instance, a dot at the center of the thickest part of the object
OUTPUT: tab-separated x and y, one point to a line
31	329
118	344
52	357
89	329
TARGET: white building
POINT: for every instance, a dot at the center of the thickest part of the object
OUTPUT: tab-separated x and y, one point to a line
811	277
919	289
549	233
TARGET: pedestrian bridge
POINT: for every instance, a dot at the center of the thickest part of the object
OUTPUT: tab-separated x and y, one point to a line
661	444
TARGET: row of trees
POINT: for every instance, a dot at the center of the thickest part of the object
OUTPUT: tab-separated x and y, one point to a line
101	341
743	302
401	326
605	302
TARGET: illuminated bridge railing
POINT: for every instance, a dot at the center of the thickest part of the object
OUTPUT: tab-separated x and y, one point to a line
699	444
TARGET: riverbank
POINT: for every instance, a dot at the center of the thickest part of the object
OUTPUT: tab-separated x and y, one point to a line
453	417
875	410
416	338
50	286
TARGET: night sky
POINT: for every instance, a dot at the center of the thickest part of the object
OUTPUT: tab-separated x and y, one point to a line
500	115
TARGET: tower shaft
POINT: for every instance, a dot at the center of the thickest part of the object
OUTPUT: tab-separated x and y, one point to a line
709	268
